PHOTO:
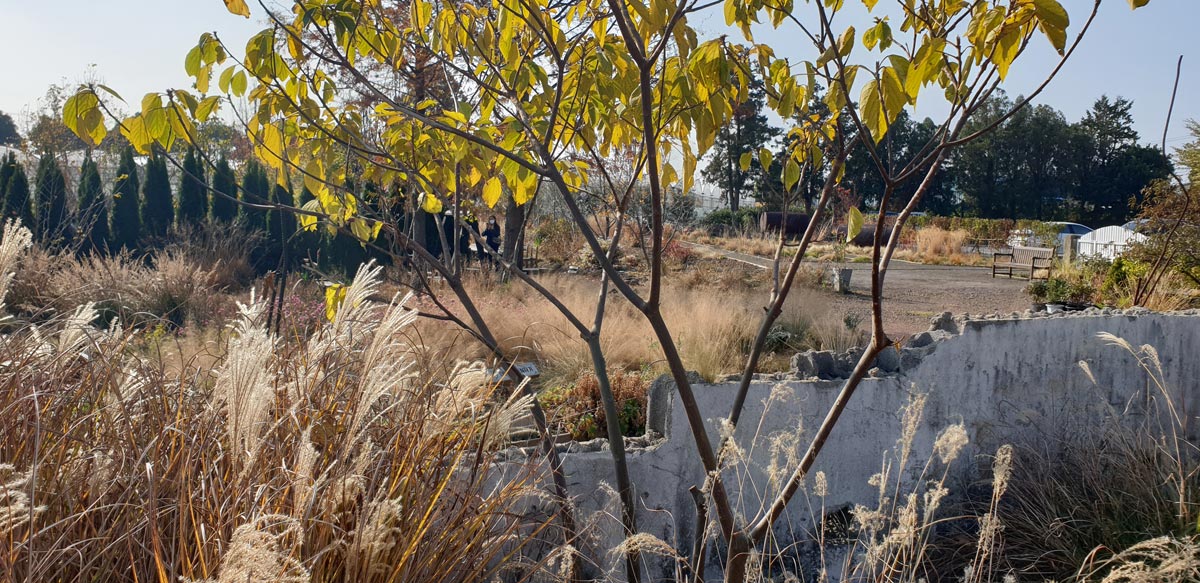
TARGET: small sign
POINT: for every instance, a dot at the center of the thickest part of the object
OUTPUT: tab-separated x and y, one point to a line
527	369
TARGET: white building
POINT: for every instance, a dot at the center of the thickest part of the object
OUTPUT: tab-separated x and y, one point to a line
1108	242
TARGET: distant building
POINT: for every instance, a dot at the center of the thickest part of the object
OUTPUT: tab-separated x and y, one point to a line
1108	242
709	197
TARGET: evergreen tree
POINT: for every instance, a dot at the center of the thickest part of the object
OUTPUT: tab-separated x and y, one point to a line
7	166
281	225
51	189
193	191
93	212
255	190
158	208
224	181
747	131
126	223
16	197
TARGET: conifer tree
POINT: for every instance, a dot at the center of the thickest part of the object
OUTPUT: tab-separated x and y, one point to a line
158	208
255	190
224	181
16	196
193	191
281	225
51	194
93	211
6	170
126	222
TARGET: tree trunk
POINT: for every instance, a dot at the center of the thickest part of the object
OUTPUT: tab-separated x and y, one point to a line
514	231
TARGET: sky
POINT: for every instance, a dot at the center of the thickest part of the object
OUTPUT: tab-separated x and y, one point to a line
138	46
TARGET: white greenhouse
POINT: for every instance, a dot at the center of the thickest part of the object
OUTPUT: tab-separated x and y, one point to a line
1108	242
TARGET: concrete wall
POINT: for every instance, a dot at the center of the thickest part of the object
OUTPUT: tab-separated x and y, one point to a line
999	376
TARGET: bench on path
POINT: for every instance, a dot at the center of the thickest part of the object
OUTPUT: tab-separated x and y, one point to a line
1031	259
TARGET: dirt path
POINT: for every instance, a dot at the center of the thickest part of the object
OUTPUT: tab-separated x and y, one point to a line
914	293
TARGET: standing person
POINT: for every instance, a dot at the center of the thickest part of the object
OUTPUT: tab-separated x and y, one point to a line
491	235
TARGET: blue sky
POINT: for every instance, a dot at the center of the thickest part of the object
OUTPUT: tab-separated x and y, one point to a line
137	46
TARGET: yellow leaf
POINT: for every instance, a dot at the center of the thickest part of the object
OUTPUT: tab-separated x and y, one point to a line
238	7
335	294
854	224
431	204
491	192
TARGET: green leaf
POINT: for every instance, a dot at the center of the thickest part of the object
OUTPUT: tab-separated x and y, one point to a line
744	161
791	174
206	107
1053	20
854	224
191	65
765	158
239	83
1135	4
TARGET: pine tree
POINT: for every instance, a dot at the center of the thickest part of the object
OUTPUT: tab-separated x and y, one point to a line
193	191
224	181
16	197
126	223
93	212
51	188
158	208
255	190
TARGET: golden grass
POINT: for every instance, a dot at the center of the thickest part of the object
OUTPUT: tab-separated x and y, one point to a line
321	460
713	328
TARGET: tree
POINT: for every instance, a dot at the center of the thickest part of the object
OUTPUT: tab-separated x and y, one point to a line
158	205
51	195
193	191
281	225
225	192
256	190
1109	167
17	203
126	218
9	136
8	165
92	211
550	82
746	132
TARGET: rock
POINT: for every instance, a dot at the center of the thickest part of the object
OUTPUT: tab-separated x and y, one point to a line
802	365
920	340
824	363
888	361
875	372
944	322
910	358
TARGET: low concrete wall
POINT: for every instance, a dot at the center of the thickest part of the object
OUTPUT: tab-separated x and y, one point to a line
999	376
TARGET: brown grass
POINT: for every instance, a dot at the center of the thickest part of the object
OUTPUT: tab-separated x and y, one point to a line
713	329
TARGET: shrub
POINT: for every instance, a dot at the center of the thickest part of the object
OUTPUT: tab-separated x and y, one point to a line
938	242
579	411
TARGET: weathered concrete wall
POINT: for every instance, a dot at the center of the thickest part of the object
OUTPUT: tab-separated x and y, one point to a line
997	375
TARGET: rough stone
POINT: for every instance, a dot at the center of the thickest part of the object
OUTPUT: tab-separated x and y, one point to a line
919	340
802	365
659	399
888	361
825	363
944	322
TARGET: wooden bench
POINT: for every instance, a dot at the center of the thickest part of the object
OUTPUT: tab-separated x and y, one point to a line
1031	259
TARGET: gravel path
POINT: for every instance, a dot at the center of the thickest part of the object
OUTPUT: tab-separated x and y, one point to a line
913	293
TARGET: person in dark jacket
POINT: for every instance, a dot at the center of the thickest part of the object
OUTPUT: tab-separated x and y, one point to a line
491	235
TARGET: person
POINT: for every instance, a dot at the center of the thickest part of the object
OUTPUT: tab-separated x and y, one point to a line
491	236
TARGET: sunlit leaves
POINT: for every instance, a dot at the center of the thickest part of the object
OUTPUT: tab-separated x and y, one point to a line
238	7
335	294
492	189
82	115
1053	20
1135	4
854	224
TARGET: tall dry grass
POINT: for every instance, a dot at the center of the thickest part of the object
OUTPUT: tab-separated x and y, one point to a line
713	328
329	459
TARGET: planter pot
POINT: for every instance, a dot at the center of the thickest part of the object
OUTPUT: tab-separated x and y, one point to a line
840	279
1039	307
1055	308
